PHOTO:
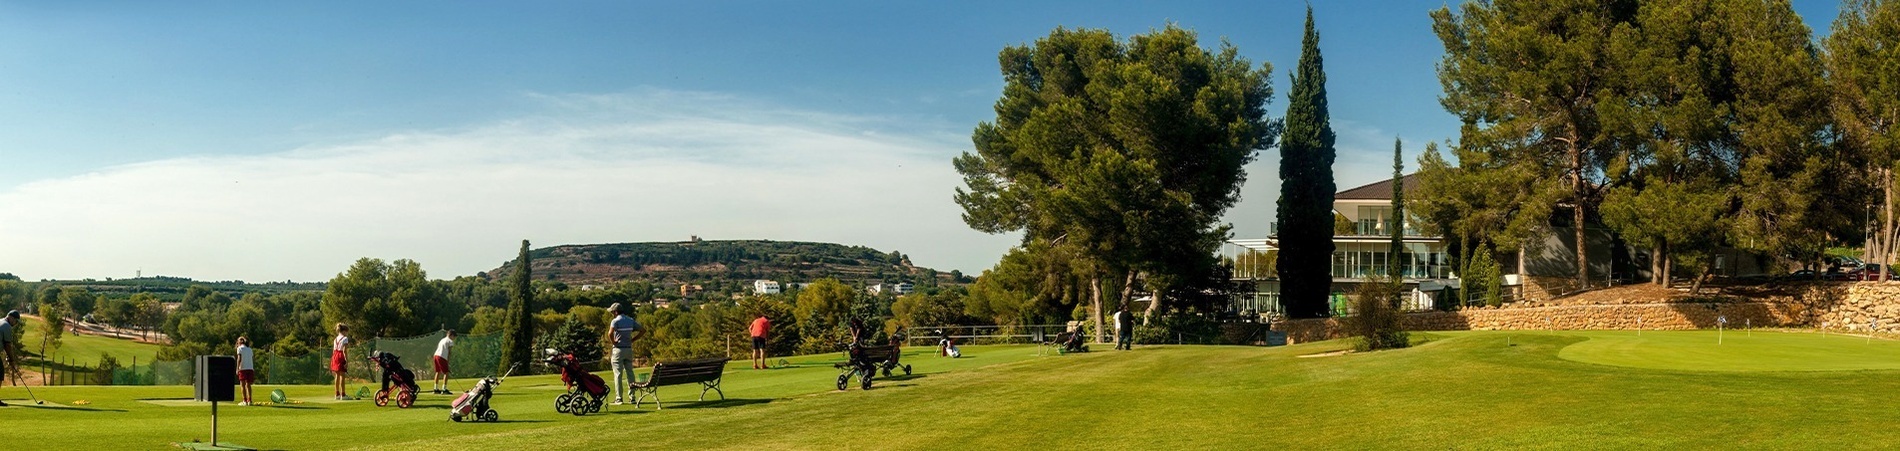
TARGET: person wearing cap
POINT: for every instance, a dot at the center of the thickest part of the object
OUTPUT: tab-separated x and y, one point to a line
622	332
9	347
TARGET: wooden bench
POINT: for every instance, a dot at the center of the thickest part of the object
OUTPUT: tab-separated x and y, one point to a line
706	372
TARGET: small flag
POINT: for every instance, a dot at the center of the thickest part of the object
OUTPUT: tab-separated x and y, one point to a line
1722	319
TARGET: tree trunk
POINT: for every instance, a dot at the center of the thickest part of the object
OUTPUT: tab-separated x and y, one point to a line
1154	306
1128	290
1655	266
1095	300
1886	235
1576	209
1669	268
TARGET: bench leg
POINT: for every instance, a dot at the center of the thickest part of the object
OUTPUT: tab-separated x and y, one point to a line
641	394
714	386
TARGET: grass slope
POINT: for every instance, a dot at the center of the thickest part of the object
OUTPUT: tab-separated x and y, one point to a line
1458	390
85	349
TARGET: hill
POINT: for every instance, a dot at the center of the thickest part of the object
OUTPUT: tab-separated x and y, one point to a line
723	263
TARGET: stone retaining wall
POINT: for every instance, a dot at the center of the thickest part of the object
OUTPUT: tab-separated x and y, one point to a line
1850	307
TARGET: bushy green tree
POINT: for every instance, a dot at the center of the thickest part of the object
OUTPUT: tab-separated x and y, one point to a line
823	309
1122	154
1863	48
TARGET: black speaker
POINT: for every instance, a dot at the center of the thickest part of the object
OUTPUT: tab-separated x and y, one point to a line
217	375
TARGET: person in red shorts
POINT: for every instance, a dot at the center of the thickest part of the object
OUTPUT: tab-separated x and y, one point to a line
442	364
338	364
247	368
760	329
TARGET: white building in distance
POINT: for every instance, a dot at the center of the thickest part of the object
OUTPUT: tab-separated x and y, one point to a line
765	287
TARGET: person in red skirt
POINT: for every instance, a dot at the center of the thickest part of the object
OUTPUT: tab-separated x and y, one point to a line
338	364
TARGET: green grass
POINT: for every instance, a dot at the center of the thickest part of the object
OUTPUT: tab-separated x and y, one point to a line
85	349
1456	390
1762	350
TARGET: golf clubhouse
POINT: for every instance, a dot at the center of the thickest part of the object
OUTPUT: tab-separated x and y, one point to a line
1362	253
1362	243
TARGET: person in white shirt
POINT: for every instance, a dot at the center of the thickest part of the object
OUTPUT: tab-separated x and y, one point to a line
246	372
442	363
339	365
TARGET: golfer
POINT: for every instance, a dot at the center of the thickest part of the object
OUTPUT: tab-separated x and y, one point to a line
247	368
622	332
761	327
338	364
9	348
442	363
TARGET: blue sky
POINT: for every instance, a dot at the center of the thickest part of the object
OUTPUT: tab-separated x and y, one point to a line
280	141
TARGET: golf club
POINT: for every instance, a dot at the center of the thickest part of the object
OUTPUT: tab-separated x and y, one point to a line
29	388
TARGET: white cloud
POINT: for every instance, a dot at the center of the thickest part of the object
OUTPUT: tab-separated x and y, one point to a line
652	165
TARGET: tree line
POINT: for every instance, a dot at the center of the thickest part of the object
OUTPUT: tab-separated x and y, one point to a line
1684	126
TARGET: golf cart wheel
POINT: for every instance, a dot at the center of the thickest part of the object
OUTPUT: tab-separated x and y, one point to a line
382	398
405	398
844	381
866	383
906	370
594	406
887	372
455	418
560	402
491	416
577	405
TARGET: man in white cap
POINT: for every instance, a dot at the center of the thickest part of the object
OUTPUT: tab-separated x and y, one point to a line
622	332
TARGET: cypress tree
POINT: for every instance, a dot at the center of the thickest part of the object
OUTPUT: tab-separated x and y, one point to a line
518	327
1398	211
1306	188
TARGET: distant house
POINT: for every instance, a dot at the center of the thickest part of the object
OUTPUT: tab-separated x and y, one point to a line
688	290
876	288
765	287
903	288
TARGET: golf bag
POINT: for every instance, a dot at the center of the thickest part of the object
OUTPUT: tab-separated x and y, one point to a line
585	391
394	374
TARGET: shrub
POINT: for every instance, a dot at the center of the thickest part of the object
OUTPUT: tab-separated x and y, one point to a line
1375	322
1186	328
102	375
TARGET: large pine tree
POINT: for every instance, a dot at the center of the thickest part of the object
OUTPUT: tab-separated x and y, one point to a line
518	327
1306	188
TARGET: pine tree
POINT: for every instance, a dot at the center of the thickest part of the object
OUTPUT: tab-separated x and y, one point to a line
1306	188
518	327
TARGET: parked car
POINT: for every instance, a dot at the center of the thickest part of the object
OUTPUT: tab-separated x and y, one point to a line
1870	271
1809	274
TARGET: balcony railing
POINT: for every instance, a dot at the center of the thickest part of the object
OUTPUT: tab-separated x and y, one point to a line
1374	227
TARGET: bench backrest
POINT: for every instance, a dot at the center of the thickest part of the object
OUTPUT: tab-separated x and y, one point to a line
688	371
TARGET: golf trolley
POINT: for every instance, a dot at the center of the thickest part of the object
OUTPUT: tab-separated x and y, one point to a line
865	361
585	391
474	403
394	374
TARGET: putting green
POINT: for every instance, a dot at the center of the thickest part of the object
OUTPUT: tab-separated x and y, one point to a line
1739	351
